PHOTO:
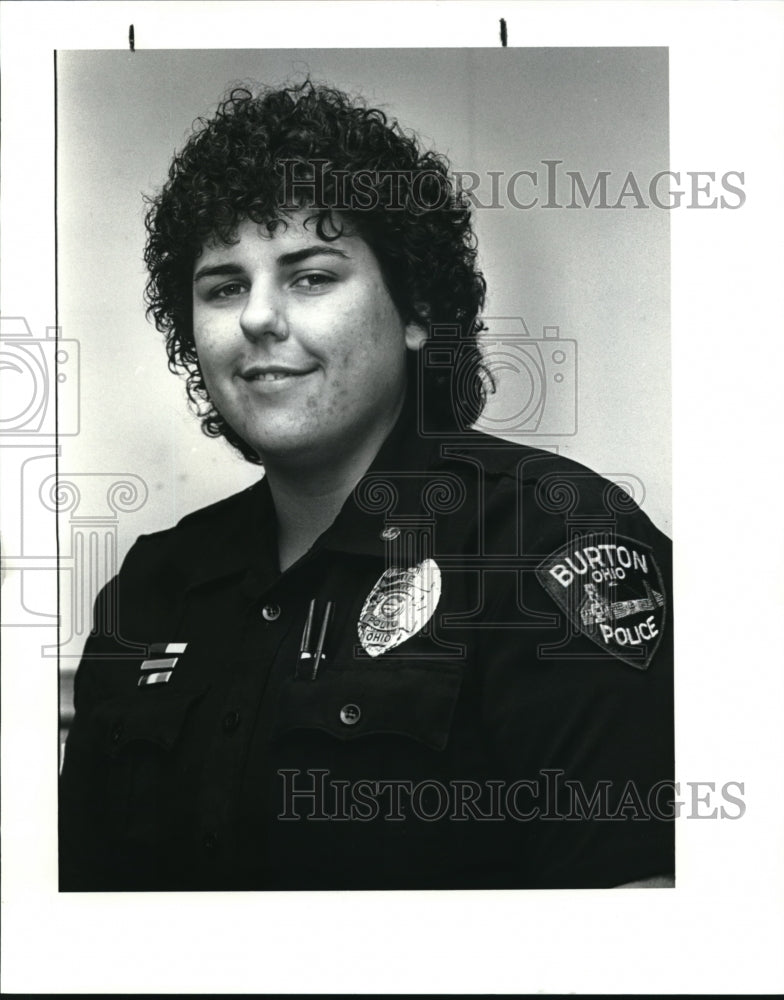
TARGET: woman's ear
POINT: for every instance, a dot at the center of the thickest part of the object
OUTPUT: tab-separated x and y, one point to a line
416	335
417	332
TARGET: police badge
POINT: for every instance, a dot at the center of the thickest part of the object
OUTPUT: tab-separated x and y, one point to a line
400	604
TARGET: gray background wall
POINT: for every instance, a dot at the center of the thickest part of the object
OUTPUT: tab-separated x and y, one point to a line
601	276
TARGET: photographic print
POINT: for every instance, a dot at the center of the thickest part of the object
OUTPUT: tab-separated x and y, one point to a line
401	617
382	386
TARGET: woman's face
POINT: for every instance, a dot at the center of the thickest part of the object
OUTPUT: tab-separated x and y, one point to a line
302	350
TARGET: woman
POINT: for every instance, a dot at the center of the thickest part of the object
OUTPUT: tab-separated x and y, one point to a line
412	655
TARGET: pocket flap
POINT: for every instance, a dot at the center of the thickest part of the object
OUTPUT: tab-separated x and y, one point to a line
351	703
152	715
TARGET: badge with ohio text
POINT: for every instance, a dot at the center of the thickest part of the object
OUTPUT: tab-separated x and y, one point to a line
400	604
613	593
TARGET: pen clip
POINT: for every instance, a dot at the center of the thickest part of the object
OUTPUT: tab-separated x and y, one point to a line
308	663
304	646
322	636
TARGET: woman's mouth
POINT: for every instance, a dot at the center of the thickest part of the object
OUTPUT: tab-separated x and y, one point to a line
270	374
274	371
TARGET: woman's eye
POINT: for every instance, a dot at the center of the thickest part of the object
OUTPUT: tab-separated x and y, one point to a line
313	281
229	290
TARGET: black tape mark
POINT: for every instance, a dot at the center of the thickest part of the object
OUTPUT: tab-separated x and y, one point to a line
131	39
503	32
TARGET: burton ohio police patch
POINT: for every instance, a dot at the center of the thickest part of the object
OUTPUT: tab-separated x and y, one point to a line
612	591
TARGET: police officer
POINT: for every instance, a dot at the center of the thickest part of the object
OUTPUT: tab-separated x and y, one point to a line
411	655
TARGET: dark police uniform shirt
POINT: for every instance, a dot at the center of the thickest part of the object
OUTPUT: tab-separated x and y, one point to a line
493	707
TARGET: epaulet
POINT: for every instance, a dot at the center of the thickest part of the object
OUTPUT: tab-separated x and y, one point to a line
557	483
206	543
510	459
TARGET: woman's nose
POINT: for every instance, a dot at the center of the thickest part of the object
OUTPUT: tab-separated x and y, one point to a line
263	314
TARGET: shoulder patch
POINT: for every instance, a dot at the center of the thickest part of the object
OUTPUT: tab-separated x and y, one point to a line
612	591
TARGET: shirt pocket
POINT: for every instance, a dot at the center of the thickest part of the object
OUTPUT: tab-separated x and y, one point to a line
350	703
138	734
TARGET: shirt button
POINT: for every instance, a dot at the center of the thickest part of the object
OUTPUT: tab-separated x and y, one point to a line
210	841
117	731
390	534
230	721
349	715
271	612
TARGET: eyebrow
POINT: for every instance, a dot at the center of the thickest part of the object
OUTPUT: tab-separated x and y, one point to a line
285	260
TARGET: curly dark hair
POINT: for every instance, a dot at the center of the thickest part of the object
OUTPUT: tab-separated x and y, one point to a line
311	146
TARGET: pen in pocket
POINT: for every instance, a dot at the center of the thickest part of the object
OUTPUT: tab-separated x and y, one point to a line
308	663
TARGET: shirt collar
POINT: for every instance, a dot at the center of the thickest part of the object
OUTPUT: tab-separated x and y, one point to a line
390	494
226	538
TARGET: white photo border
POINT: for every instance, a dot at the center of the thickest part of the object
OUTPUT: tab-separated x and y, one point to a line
720	929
